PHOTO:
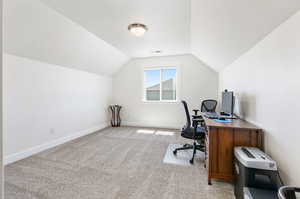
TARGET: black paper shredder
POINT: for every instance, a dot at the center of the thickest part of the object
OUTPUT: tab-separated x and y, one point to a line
256	174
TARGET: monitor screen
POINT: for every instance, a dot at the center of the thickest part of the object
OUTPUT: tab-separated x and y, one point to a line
227	103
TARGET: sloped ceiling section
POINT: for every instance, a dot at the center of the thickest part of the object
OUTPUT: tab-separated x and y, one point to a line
92	35
168	22
221	31
33	30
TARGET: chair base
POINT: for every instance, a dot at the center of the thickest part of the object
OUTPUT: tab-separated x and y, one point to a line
193	146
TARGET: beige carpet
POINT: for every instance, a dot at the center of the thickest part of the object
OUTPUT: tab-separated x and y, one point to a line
116	163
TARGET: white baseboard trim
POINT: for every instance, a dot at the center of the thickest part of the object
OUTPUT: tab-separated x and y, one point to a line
37	149
150	125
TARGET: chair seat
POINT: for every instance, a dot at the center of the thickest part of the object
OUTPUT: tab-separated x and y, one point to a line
189	133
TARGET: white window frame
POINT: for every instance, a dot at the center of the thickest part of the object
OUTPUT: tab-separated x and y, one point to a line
161	69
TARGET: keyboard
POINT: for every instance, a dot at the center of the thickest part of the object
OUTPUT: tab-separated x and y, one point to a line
211	115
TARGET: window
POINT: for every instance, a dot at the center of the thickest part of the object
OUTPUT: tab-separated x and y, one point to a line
160	84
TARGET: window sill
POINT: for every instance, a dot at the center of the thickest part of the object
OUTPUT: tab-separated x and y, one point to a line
160	102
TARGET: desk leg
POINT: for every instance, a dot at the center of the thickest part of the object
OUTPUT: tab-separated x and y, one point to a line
209	181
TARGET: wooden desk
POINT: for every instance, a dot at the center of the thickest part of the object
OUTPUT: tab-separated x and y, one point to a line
220	142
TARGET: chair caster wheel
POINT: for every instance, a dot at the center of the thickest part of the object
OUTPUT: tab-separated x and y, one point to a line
192	161
175	152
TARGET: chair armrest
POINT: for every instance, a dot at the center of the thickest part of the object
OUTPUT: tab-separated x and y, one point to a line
197	116
198	119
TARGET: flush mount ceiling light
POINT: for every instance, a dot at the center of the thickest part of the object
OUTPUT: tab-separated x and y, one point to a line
156	52
137	29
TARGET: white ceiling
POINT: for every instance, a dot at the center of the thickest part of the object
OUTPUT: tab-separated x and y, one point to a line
33	30
221	31
92	35
168	22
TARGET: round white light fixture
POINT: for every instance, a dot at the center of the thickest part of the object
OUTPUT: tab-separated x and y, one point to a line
156	52
137	29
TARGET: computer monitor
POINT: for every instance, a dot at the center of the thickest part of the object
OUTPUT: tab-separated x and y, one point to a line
227	103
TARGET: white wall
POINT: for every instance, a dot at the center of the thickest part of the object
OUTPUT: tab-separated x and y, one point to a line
1	114
267	81
34	30
45	105
196	82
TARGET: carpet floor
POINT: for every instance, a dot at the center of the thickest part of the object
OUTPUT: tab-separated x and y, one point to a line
115	163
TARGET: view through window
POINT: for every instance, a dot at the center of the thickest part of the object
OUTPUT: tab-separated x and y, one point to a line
160	84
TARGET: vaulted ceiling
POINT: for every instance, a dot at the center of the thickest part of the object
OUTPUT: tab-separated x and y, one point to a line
221	31
168	22
35	31
92	35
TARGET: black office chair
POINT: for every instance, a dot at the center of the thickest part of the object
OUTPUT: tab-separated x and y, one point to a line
189	132
209	105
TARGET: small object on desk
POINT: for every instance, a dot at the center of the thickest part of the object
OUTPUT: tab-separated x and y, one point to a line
223	120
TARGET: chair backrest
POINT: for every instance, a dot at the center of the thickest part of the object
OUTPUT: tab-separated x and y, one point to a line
187	113
209	105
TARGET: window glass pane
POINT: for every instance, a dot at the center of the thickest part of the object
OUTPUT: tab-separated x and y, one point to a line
168	84
152	84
